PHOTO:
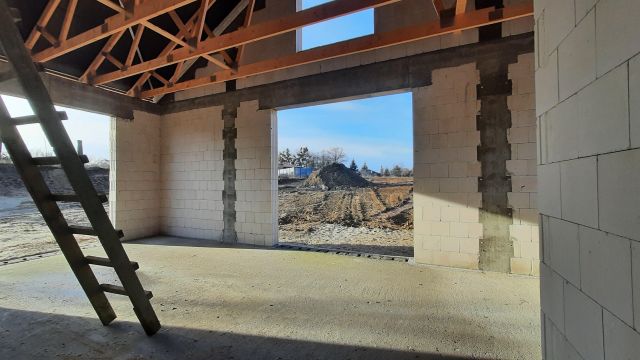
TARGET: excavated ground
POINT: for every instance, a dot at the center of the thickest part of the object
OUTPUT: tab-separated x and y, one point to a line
377	219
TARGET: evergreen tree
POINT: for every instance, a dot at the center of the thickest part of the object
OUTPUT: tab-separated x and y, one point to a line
303	157
353	165
364	168
285	157
396	171
387	172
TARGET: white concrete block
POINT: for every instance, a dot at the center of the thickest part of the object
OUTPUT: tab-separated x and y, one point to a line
552	295
579	191
559	131
583	323
549	199
635	260
634	100
620	341
617	32
603	110
580	44
555	345
583	7
605	271
619	193
547	84
559	21
564	249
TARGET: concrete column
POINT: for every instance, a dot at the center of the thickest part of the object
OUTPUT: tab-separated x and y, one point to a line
229	156
494	120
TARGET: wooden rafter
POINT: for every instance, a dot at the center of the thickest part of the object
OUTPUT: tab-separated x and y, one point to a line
183	67
68	18
112	25
202	18
184	32
247	22
49	9
134	45
461	6
460	22
177	39
95	64
253	33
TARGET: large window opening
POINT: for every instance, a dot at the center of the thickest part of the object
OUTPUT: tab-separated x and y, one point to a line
335	30
345	176
18	214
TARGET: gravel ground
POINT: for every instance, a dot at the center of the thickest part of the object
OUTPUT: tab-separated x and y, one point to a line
361	239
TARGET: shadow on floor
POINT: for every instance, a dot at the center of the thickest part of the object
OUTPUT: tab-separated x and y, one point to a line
28	334
406	251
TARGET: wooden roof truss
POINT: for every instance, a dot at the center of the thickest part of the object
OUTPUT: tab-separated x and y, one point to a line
195	39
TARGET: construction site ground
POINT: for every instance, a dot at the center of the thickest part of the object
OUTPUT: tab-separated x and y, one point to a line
374	219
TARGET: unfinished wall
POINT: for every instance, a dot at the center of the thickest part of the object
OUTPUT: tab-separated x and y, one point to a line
522	198
256	176
191	168
447	228
588	88
134	195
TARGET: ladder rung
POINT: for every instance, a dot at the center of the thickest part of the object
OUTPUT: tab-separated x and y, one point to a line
100	261
85	230
33	119
52	160
115	289
75	198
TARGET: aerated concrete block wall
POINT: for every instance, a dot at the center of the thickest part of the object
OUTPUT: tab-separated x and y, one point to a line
447	228
191	169
522	168
134	195
256	176
588	91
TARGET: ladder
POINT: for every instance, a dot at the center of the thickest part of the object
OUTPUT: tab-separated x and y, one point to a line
25	71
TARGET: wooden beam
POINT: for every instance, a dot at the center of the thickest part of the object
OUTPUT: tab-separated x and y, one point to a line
95	64
68	18
461	22
202	19
439	6
46	15
253	33
134	45
461	6
222	26
112	25
183	33
247	22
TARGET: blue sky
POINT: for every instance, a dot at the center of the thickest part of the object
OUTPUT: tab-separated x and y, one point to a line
342	28
92	129
375	130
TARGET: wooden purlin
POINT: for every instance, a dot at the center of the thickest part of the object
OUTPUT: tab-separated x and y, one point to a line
253	33
461	22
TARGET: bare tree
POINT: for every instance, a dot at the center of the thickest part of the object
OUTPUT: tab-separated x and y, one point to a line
336	154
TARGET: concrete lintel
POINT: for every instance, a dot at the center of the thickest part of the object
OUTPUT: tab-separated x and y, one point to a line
382	77
73	94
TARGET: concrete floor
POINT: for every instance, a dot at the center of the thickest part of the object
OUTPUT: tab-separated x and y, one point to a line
243	303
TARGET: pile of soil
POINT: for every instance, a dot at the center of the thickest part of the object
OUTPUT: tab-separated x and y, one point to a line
336	176
11	184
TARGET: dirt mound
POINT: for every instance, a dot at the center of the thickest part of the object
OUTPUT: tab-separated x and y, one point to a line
336	176
11	183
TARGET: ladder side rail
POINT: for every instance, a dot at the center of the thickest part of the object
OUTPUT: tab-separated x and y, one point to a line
42	105
40	193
